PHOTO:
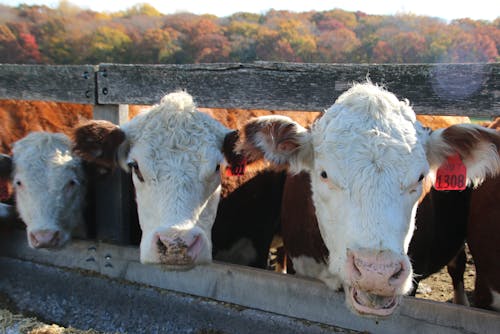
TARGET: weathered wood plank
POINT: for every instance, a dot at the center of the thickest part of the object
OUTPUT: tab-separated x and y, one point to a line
48	82
446	89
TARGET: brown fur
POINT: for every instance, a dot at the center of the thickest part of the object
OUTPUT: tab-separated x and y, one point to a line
97	142
483	237
460	139
299	226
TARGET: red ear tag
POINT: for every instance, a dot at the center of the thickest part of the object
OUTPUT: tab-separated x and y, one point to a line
236	169
451	175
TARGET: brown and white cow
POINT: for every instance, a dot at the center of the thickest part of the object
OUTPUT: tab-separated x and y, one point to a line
483	238
174	152
50	188
366	157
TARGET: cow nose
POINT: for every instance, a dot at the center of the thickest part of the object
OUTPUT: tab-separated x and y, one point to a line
378	272
179	249
44	238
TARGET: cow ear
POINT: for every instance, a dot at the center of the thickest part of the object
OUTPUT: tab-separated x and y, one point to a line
97	142
277	139
5	166
477	146
234	159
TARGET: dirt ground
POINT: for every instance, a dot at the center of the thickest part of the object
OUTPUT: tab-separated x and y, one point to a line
438	286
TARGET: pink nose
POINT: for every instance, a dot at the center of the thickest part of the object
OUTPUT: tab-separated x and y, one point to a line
179	249
377	272
44	238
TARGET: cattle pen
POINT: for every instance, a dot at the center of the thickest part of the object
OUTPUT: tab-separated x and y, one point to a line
101	284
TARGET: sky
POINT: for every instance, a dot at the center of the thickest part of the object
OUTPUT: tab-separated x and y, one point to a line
445	9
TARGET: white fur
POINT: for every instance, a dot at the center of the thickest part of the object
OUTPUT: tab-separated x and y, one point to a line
49	184
177	149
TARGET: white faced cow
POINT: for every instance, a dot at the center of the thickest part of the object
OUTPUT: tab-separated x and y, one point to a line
366	156
49	184
174	152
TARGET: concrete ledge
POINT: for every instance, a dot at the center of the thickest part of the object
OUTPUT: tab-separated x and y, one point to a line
282	294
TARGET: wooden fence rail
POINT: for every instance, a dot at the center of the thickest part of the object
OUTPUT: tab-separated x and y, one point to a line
444	89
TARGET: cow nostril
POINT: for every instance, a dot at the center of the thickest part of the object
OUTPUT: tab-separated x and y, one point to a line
357	271
162	248
398	273
55	239
33	239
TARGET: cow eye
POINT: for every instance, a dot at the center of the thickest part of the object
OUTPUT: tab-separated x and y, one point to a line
135	167
217	168
421	177
132	164
19	183
324	175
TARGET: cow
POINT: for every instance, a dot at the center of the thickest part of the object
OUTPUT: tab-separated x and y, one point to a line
174	153
440	226
50	188
366	157
483	238
439	238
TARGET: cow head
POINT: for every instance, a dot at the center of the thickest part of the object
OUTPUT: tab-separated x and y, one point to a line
49	184
367	157
174	152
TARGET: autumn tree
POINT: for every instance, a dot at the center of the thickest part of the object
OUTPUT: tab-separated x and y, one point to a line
68	34
242	35
286	37
200	40
10	50
156	46
107	44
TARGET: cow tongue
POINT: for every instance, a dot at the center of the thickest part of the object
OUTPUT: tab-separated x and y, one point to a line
371	304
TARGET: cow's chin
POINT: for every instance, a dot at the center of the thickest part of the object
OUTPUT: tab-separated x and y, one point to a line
175	258
371	305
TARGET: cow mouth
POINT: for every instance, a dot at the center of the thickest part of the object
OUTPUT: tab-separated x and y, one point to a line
366	303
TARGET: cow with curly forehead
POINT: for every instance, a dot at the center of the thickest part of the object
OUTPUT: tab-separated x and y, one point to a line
363	162
174	152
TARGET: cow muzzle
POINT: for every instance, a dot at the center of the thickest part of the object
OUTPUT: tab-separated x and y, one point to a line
376	281
45	238
180	248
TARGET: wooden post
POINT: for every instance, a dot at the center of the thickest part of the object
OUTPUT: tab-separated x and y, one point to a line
115	209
